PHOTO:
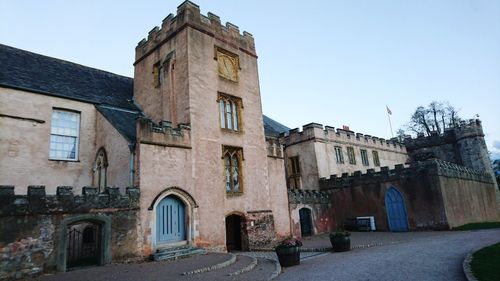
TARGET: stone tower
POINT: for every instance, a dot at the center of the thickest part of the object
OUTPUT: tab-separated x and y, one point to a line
197	83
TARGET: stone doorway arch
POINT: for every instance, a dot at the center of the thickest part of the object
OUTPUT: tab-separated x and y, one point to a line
236	233
186	208
103	236
306	225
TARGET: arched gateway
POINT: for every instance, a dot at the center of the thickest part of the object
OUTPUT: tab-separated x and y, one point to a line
170	220
396	210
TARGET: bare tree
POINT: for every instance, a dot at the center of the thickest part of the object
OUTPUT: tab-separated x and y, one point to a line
436	117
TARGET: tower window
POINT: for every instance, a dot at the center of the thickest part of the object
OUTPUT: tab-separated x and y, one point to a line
232	168
229	112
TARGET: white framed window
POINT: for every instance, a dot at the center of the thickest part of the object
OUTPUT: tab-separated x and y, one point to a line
64	134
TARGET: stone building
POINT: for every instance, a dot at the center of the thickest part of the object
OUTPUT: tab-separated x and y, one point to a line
435	182
185	136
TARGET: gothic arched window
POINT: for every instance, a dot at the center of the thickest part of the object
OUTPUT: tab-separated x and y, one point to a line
100	167
232	169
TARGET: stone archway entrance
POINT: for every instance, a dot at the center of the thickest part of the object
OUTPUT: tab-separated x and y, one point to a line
170	220
306	227
236	234
83	244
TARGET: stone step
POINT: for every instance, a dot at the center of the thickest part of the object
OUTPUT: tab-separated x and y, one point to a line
244	268
265	270
175	253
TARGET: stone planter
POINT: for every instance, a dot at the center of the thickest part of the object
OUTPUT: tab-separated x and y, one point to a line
288	256
341	243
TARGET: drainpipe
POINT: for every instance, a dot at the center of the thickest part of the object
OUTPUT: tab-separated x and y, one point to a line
131	147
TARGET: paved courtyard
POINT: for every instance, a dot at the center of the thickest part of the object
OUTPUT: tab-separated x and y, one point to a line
404	256
376	256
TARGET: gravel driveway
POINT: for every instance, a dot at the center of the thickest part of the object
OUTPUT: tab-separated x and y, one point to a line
433	257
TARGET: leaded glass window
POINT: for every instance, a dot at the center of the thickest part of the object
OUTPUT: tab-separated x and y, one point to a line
64	133
229	112
232	169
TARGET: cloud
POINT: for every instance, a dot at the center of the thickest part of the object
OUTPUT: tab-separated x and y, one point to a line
496	144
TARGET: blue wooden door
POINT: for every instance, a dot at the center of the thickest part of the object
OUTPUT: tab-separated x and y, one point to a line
170	220
396	210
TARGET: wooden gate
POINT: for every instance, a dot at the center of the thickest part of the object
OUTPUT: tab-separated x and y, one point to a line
305	222
170	220
396	210
84	245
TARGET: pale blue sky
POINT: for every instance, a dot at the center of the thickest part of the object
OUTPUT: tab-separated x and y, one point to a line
331	62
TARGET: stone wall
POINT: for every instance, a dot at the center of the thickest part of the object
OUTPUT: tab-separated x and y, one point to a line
437	194
314	147
260	229
320	204
33	227
25	138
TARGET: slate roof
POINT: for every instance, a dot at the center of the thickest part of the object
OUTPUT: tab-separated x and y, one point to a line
111	93
273	128
28	71
122	120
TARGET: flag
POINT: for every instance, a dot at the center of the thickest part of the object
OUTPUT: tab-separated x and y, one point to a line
388	110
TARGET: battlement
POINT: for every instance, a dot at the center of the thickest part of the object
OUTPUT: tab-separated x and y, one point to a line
274	147
296	196
163	133
466	129
36	201
188	15
401	171
315	131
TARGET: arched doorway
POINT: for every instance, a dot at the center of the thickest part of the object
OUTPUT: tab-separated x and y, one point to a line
236	234
306	227
170	220
84	246
396	210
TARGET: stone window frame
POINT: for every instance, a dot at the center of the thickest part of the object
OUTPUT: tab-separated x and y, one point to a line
364	157
294	171
231	153
157	74
54	133
376	159
339	155
351	155
227	119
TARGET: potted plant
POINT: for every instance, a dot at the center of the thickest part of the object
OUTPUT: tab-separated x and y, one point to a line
341	241
288	251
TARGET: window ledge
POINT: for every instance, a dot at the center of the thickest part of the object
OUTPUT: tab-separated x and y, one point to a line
64	160
234	194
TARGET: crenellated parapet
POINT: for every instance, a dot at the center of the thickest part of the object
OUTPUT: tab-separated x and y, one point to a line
36	201
274	147
414	171
188	15
466	129
162	133
300	196
316	132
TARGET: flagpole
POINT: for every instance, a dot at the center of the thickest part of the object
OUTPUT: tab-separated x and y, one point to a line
390	124
389	112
